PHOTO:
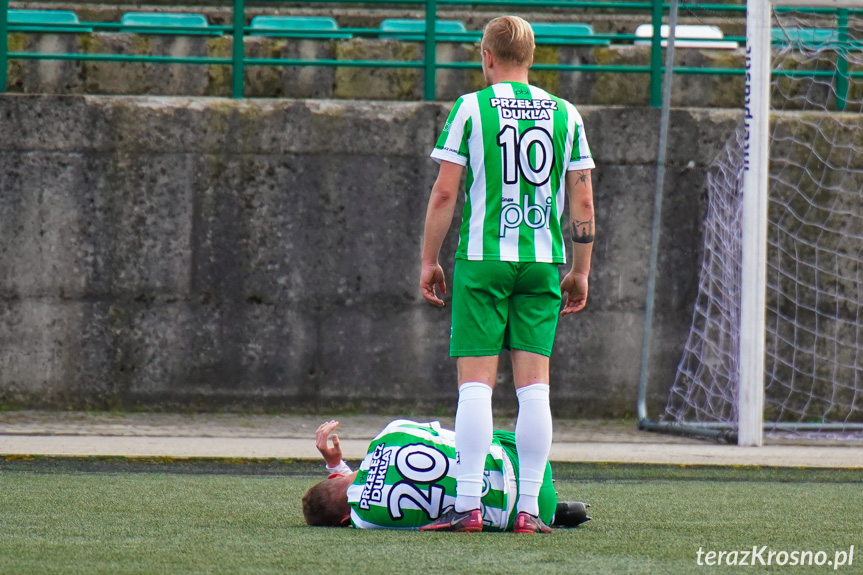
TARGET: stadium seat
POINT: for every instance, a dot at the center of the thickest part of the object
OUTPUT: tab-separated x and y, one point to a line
688	36
150	23
297	27
808	36
813	37
35	20
566	33
414	30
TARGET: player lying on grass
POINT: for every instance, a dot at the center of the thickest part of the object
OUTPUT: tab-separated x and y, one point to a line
407	480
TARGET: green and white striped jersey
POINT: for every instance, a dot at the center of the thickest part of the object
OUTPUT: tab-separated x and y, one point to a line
517	142
409	477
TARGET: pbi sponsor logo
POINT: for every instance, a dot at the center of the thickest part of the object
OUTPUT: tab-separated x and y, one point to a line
535	216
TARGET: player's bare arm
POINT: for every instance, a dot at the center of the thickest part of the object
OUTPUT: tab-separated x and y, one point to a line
441	207
582	227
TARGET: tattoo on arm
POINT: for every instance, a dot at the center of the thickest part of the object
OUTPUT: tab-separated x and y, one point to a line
582	176
582	232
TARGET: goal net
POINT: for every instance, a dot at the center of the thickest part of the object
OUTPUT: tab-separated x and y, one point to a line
813	355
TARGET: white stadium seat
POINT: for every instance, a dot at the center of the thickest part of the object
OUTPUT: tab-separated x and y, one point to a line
687	36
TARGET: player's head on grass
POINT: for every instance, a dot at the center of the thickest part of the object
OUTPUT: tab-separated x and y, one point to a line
507	42
325	504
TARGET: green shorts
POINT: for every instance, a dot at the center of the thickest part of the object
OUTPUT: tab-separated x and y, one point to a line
547	495
503	305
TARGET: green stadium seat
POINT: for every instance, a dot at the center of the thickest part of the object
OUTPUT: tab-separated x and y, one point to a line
152	23
812	37
414	30
808	36
35	20
297	27
566	33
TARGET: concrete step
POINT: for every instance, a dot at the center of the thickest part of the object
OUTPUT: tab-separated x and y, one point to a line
77	434
584	88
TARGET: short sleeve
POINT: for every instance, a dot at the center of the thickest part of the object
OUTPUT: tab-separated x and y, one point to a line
580	159
452	143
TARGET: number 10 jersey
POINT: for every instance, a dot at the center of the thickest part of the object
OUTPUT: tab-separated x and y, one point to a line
409	477
517	142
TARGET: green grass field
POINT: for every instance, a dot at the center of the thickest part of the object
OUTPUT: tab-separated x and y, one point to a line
117	517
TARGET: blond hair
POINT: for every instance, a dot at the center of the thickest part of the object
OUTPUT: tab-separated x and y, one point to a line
510	40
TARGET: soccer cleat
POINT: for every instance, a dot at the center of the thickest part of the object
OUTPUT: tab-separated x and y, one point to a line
527	523
570	514
452	520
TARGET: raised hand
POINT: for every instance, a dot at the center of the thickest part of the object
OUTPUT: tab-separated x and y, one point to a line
332	455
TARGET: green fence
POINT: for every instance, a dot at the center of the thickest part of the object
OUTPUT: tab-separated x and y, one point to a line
238	30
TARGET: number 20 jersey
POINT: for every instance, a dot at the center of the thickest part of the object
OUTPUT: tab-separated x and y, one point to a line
409	477
517	142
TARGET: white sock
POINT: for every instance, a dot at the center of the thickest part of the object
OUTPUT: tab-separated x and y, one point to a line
533	441
473	428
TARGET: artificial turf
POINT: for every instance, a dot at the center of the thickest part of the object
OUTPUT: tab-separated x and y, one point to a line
121	516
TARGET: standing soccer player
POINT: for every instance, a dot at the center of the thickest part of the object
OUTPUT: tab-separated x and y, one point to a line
522	148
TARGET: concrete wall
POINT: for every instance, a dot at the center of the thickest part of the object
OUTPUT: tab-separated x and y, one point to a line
162	253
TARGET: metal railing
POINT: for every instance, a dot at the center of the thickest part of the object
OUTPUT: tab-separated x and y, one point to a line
239	61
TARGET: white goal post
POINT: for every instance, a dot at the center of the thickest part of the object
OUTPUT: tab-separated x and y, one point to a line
756	119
